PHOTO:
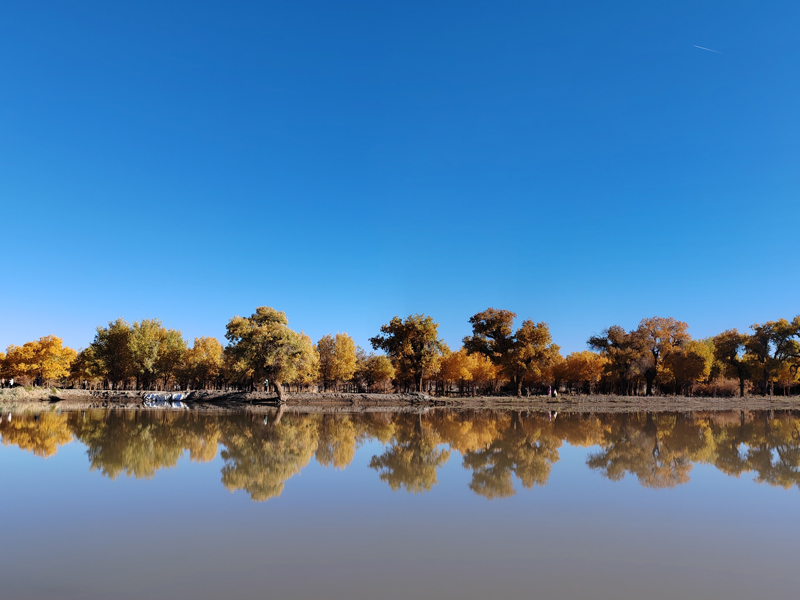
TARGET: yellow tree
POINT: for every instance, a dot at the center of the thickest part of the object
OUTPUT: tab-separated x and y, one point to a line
202	362
457	367
374	371
484	371
690	364
307	365
534	354
337	359
582	369
46	358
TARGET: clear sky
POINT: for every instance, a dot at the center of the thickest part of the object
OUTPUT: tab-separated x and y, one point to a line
579	163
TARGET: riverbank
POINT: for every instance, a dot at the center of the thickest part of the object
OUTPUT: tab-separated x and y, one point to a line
38	399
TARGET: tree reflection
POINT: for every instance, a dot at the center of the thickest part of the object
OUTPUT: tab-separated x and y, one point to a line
413	457
526	449
337	441
138	444
260	456
40	434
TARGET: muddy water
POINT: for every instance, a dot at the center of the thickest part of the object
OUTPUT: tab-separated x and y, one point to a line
441	505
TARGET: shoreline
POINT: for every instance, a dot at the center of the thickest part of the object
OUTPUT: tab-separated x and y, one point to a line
40	399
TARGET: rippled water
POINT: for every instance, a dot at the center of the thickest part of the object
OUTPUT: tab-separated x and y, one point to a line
397	505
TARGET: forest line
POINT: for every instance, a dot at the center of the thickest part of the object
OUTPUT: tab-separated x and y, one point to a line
263	352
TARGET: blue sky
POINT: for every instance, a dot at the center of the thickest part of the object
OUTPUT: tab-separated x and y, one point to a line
578	163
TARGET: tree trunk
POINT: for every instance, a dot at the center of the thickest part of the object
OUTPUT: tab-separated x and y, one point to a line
279	390
650	379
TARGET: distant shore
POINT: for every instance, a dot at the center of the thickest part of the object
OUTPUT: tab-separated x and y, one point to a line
39	399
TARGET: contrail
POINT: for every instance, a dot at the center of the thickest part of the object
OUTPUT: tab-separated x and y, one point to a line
708	49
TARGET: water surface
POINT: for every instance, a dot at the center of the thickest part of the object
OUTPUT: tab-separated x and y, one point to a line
436	504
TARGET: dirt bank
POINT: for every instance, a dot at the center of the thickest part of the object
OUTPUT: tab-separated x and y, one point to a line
50	398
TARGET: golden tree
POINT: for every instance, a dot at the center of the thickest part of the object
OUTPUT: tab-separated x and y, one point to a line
46	358
690	364
582	369
337	359
202	363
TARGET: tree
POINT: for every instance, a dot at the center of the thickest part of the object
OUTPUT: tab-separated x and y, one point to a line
170	354
729	349
374	370
202	362
582	368
770	347
307	365
337	359
661	337
413	344
458	366
144	342
492	334
86	366
155	352
690	364
46	358
264	346
526	354
626	356
112	351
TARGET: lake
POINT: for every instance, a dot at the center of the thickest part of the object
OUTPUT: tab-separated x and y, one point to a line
434	504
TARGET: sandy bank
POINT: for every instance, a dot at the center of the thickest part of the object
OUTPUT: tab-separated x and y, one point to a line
49	399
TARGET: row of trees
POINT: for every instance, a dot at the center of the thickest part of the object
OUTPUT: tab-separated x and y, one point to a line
263	351
496	448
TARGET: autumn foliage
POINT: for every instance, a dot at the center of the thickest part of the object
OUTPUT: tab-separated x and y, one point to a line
498	357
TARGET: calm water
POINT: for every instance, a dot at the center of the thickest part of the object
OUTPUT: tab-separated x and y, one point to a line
438	505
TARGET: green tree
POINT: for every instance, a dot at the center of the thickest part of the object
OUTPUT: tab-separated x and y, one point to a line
263	346
112	351
413	344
